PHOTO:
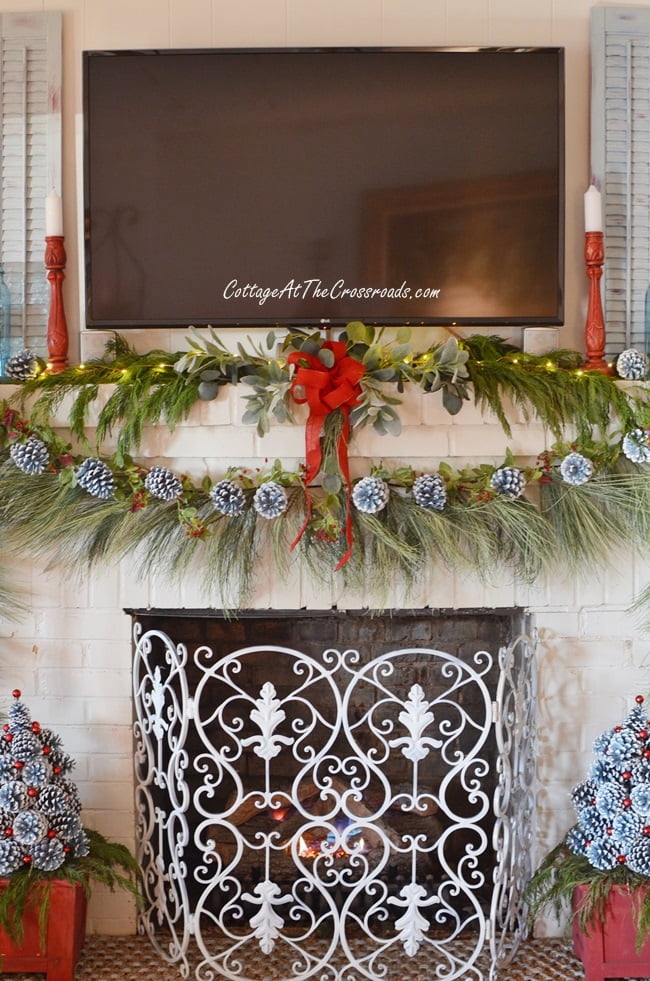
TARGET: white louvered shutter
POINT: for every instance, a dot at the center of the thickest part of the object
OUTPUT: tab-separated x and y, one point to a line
620	155
30	164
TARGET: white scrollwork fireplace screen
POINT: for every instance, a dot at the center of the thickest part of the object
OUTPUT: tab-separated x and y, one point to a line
304	817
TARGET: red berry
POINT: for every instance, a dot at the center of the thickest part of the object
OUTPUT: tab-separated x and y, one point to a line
66	848
36	726
642	734
27	859
6	727
46	750
18	765
16	693
56	769
32	792
609	831
646	754
9	737
51	833
618	728
9	832
646	830
588	842
626	775
627	802
621	859
639	699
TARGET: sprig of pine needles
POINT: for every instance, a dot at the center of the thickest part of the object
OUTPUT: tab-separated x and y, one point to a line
553	884
108	863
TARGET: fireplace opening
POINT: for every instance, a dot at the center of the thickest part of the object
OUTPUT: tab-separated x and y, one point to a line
320	777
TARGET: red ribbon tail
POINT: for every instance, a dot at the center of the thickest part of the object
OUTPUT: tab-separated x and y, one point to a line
308	509
344	466
313	457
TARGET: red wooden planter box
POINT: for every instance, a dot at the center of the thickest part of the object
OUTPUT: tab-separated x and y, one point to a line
55	953
608	950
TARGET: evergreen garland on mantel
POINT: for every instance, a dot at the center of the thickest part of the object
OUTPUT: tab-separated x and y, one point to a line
566	510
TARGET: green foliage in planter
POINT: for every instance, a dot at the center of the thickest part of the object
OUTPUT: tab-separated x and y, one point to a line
553	884
108	863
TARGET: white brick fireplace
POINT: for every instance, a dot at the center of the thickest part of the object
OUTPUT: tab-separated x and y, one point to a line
71	656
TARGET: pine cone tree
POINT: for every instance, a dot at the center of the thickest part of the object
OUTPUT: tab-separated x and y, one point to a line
96	477
613	806
32	456
39	805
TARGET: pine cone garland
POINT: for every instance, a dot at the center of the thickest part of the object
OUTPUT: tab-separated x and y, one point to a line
32	456
23	365
632	365
429	492
270	500
370	495
161	482
508	482
96	477
228	498
576	469
39	805
636	445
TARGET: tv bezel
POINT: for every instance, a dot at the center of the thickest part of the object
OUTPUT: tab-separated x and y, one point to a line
556	319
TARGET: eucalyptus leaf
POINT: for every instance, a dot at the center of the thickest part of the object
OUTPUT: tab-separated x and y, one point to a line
326	357
392	422
359	332
384	374
452	402
331	483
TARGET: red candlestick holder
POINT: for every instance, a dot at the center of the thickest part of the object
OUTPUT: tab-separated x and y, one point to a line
57	327
595	326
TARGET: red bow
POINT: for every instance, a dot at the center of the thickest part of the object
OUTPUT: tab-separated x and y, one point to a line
326	389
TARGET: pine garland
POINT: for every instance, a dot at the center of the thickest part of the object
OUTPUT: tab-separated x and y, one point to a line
552	523
159	387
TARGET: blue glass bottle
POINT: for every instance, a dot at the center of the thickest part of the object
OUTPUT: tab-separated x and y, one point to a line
5	322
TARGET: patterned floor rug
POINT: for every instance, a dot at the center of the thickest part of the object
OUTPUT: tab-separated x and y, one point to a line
134	959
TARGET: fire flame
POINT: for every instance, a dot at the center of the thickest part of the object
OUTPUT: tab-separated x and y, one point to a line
314	845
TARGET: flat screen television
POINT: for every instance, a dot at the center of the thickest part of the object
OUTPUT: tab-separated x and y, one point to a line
319	186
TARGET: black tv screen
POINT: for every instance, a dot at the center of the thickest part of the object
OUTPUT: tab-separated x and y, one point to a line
307	186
